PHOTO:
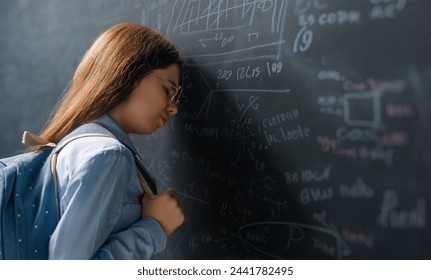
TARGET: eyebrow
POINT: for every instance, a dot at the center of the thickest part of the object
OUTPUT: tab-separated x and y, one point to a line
174	84
169	81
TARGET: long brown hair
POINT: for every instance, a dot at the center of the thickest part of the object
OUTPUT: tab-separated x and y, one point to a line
108	73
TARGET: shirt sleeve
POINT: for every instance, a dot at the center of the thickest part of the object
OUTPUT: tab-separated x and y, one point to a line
92	206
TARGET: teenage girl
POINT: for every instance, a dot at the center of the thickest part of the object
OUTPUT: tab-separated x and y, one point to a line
129	81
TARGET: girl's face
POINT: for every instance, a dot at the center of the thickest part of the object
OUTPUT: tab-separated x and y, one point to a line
148	107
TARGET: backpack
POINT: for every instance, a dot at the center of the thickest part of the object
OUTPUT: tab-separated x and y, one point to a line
29	199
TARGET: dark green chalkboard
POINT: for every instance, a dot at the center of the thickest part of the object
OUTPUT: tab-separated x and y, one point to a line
306	129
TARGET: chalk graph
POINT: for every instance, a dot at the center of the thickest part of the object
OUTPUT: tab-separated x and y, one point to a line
218	26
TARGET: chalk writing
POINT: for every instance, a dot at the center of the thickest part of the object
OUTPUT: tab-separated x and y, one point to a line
358	237
308	175
387	9
280	118
294	233
391	216
295	110
358	190
214	25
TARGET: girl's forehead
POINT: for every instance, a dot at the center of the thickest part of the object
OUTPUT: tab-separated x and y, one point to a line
170	73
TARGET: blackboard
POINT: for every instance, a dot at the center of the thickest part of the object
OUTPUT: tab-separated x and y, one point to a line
305	133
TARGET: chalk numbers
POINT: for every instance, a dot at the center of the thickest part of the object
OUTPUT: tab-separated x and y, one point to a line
274	68
303	40
224	74
291	177
227	40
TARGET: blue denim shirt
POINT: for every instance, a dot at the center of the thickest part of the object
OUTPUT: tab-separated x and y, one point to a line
100	202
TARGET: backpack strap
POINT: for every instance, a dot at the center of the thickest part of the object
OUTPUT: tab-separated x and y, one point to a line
147	181
54	157
32	140
92	129
144	177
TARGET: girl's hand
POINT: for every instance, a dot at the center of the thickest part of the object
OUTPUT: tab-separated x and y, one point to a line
165	208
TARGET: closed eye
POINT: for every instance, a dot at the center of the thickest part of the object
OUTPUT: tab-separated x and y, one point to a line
171	91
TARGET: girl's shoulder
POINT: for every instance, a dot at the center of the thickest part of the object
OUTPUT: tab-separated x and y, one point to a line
90	148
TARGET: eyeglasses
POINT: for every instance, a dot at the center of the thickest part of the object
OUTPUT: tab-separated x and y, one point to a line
175	92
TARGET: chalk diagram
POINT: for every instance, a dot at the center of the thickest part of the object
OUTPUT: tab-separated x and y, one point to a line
228	31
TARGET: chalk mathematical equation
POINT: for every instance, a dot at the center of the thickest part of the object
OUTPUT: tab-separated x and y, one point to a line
286	138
